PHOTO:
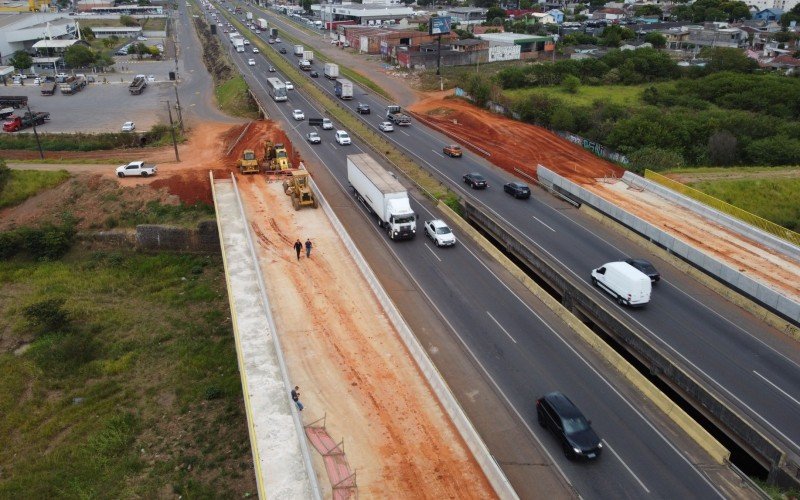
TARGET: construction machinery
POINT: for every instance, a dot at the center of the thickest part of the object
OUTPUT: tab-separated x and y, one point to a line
248	163
276	159
298	187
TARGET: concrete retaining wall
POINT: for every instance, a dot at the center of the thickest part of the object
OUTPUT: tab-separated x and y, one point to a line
765	296
721	218
154	237
448	401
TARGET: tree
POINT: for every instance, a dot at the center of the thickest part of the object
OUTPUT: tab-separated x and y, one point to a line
87	33
648	10
722	148
657	40
728	59
79	56
495	12
655	159
571	84
21	60
127	21
306	5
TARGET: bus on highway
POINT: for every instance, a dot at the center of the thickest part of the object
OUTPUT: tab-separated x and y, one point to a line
277	89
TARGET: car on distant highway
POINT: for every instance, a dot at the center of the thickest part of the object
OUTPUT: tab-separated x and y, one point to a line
517	190
475	181
453	151
246	41
327	124
440	233
251	62
298	114
362	108
646	267
255	50
128	127
342	137
271	69
270	41
557	413
313	138
314	74
386	126
282	50
278	40
289	86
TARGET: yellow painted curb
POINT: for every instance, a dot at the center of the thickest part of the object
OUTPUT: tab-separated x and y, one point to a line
713	447
234	321
731	295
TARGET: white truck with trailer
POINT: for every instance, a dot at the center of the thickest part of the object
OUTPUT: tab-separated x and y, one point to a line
343	89
298	50
331	71
308	55
239	44
249	16
383	195
262	23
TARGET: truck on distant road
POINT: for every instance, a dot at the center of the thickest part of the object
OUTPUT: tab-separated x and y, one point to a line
72	85
48	87
304	65
138	84
14	101
262	23
298	50
16	123
331	71
249	16
273	33
308	55
136	168
383	195
344	89
395	115
239	44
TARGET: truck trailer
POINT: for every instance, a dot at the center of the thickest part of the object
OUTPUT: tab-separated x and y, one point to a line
383	195
308	55
239	44
48	88
249	16
262	23
138	85
331	71
344	89
298	50
13	101
16	123
72	85
395	115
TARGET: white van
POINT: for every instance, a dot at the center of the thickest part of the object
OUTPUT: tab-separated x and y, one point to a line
625	283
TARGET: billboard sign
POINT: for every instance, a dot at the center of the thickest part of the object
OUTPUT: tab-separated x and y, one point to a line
439	26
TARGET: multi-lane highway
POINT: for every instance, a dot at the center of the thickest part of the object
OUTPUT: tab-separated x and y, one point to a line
523	355
749	364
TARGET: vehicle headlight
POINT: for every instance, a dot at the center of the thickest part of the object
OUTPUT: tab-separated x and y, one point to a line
576	450
600	445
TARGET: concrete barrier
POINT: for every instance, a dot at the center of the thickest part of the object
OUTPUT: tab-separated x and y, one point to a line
479	450
718	452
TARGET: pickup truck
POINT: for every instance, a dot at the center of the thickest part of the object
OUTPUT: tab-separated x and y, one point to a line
136	168
396	116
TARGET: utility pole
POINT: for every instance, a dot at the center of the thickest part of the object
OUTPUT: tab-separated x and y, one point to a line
35	133
439	55
178	106
172	130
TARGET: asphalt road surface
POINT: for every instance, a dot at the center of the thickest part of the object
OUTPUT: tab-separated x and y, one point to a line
504	331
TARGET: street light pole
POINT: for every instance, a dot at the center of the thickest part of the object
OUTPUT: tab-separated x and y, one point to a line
172	130
35	133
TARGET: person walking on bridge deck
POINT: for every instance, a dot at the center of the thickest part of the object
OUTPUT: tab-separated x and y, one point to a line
298	247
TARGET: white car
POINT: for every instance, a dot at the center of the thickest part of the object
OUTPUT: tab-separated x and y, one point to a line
386	126
298	114
246	41
141	38
289	86
255	50
313	138
136	168
440	233
277	39
327	124
151	78
251	62
342	137
128	127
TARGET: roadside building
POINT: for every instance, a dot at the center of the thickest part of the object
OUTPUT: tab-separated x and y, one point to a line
367	15
466	15
50	54
378	40
21	31
117	31
455	53
773	15
530	46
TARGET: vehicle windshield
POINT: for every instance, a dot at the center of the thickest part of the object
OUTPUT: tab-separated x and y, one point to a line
404	219
575	424
443	230
249	156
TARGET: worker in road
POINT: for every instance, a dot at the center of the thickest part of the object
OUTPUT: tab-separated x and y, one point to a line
308	247
298	247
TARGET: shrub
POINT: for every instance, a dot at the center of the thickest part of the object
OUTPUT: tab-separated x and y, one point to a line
47	242
47	315
655	159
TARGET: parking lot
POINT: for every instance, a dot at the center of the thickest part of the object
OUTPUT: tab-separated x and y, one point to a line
104	107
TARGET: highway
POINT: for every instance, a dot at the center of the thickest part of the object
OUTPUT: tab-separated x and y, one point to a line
749	364
504	331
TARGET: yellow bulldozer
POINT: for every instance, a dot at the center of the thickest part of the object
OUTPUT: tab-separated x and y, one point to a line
298	187
276	159
248	163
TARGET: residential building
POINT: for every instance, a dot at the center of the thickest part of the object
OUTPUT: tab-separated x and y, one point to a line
635	44
467	15
769	15
612	14
713	36
784	5
378	40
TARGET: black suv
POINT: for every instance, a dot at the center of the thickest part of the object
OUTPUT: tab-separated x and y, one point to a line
646	267
362	108
556	412
282	50
517	190
475	181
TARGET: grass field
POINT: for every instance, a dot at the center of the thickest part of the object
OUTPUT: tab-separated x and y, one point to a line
777	200
26	183
454	75
625	95
120	380
233	98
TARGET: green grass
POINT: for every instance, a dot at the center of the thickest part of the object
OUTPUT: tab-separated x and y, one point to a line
234	99
140	381
452	76
158	135
775	200
25	183
625	95
153	24
728	170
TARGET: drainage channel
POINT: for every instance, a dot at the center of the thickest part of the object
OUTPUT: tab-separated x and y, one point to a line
739	457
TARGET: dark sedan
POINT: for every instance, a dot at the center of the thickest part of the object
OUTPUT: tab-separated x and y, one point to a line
362	108
556	412
314	74
475	181
517	190
646	267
